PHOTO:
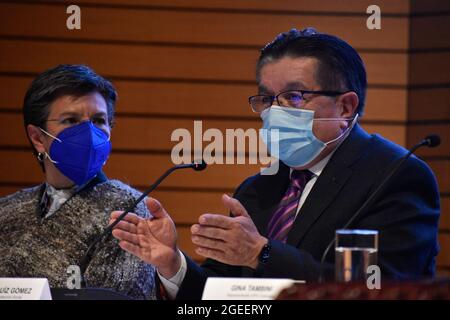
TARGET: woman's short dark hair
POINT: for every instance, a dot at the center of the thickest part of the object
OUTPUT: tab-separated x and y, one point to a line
64	79
340	66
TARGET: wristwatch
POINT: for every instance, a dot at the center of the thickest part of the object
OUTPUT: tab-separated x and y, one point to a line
264	256
265	253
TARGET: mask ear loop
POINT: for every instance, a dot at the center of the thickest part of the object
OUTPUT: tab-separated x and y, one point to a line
347	131
46	155
50	135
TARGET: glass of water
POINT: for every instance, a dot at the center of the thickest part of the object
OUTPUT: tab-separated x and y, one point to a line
355	251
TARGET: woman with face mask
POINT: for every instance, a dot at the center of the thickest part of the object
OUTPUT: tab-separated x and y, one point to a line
68	112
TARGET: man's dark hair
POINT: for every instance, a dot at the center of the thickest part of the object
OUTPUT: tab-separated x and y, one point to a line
340	66
65	79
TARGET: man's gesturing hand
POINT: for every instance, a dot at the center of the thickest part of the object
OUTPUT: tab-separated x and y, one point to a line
231	240
152	240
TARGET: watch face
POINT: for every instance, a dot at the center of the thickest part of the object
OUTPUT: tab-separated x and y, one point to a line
265	253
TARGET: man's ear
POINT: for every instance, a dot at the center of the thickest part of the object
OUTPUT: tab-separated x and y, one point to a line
36	137
349	103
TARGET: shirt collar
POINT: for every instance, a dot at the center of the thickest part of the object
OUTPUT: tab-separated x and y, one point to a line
60	193
317	169
319	166
52	199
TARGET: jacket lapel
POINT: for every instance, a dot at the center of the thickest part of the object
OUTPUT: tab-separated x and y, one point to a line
262	199
330	182
264	195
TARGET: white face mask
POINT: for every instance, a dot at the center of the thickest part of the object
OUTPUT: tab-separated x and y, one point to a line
288	134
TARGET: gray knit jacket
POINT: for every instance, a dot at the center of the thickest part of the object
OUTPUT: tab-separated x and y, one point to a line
31	246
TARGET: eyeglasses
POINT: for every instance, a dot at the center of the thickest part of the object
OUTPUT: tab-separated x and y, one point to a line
291	98
70	121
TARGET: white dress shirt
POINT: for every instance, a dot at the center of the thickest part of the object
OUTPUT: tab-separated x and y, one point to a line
316	170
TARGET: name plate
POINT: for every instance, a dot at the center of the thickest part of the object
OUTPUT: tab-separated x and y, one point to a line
24	289
245	288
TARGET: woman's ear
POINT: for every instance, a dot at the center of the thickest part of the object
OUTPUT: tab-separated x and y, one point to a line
36	137
349	103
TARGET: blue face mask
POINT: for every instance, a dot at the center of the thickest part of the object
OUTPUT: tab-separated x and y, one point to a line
288	134
79	152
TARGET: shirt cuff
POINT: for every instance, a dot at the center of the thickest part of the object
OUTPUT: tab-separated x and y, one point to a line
173	284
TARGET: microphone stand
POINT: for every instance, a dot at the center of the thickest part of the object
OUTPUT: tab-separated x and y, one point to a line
108	230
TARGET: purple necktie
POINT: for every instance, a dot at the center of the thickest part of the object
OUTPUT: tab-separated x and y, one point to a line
283	218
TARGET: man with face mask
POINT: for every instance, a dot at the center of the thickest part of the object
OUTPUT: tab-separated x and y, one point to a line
312	90
68	113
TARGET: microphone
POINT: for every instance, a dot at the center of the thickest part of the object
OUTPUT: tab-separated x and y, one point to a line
431	141
199	166
85	261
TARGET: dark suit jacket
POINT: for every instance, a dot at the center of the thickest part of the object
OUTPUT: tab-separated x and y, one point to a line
406	215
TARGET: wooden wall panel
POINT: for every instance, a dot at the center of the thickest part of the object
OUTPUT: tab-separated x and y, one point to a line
429	104
421	7
12	91
429	68
132	61
159	62
212	99
245	29
385	105
430	32
331	7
